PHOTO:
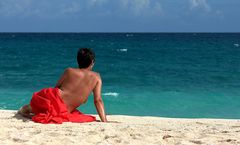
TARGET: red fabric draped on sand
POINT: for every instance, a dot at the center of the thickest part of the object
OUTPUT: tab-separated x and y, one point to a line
48	107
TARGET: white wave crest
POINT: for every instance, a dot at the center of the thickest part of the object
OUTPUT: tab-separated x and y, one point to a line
129	35
236	45
111	94
122	50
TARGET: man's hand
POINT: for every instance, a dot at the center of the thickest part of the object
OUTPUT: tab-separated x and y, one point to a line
108	121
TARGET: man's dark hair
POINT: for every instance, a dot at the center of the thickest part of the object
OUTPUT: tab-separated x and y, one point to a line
85	57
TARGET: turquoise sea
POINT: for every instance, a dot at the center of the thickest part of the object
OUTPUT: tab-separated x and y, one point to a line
193	75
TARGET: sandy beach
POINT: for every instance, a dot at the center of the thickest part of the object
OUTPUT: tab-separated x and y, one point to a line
15	129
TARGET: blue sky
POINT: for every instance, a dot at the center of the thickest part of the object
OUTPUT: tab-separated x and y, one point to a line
119	15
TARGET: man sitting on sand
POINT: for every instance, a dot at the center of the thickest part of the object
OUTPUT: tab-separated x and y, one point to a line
57	105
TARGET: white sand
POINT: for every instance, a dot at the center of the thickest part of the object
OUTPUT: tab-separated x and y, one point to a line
15	130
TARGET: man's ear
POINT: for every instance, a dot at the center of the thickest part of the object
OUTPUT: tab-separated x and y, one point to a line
92	63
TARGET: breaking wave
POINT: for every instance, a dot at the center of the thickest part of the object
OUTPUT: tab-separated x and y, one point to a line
115	94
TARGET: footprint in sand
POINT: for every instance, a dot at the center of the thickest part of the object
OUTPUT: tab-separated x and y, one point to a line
92	132
237	131
228	140
235	126
201	123
53	134
166	130
18	138
37	132
108	136
135	136
225	131
115	138
196	141
166	136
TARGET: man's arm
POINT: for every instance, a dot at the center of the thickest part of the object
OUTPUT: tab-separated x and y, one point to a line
98	100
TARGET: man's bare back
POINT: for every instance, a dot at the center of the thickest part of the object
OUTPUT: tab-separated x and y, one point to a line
76	85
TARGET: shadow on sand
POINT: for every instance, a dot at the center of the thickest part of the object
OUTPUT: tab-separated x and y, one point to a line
19	116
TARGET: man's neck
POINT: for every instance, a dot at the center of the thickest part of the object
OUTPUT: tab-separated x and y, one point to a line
87	69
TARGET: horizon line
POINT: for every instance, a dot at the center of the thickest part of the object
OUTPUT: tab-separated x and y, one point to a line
120	32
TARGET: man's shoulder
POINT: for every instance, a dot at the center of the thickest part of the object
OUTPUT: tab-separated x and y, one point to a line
96	74
93	73
68	70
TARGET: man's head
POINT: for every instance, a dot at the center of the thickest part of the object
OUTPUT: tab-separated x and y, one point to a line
85	57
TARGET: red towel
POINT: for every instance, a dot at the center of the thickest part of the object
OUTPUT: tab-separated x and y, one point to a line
48	107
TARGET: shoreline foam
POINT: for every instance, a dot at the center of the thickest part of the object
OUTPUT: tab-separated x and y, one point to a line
131	130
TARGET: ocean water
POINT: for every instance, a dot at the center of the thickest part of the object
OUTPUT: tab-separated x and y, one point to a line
192	75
